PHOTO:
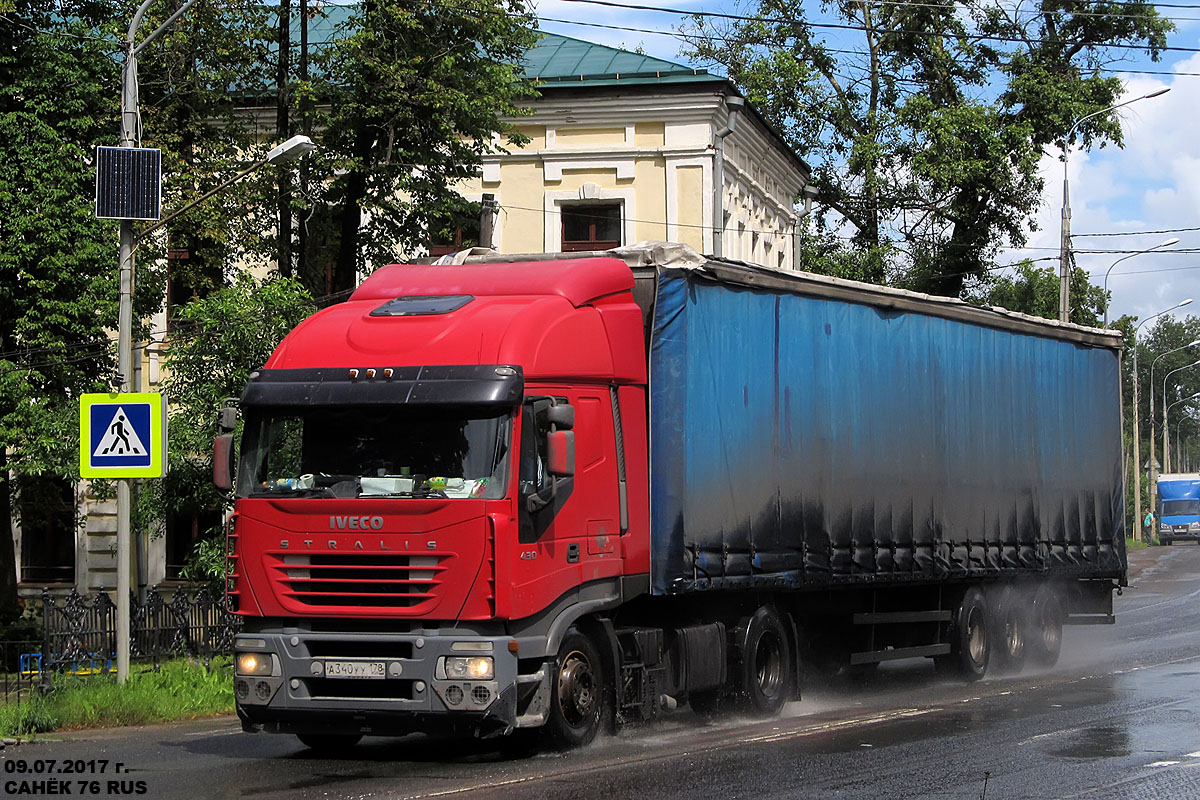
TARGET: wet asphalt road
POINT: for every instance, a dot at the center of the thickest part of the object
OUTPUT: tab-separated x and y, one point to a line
1118	718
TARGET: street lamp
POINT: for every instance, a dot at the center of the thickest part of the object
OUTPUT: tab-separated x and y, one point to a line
1166	433
1167	243
1193	343
1064	250
1165	410
1137	447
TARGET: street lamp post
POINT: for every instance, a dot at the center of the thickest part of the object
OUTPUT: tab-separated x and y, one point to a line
1166	432
1137	448
1165	410
1064	250
1153	483
1167	243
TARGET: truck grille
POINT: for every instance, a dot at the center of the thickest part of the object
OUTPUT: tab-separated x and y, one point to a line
364	580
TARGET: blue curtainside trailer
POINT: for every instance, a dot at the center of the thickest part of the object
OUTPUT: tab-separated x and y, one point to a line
808	432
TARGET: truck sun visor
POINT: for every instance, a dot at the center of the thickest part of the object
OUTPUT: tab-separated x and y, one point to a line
383	385
422	305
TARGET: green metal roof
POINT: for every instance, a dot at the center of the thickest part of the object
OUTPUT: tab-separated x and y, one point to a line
561	59
554	59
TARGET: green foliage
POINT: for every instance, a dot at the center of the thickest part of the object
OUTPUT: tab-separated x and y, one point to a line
220	340
177	690
408	102
929	135
1035	291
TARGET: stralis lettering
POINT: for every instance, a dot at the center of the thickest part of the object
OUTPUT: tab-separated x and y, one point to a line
285	544
355	523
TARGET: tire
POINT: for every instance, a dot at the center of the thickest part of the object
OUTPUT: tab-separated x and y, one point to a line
1167	542
578	695
1045	643
767	676
1013	631
970	639
329	742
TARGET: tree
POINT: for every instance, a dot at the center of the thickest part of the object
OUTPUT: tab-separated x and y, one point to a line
409	101
925	137
58	263
1035	291
218	341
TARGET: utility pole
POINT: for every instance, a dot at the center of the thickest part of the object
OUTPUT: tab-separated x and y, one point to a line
487	215
281	133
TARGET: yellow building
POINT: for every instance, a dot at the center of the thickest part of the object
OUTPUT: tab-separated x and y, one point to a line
627	148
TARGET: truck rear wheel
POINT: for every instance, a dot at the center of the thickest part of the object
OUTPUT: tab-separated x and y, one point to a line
1048	616
768	675
1013	616
970	638
577	697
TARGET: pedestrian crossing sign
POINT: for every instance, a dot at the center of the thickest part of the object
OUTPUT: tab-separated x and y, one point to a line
122	435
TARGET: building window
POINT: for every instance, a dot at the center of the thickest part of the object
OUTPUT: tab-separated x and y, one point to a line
456	229
48	525
593	226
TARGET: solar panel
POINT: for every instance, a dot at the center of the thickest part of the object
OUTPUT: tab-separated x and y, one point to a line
128	183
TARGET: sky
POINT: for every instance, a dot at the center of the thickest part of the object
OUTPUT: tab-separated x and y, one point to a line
1152	184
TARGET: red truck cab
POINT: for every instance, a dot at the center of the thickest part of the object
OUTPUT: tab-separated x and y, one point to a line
437	479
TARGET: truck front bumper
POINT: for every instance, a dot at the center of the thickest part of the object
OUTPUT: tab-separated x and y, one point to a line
301	682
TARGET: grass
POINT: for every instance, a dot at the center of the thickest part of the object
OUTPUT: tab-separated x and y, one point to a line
1134	544
177	690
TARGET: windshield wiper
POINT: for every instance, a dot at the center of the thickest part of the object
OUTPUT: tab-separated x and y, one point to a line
312	491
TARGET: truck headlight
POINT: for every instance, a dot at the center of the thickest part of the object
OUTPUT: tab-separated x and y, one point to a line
253	664
474	668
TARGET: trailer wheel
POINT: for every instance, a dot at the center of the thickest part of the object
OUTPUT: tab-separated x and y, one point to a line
970	641
1048	616
767	675
577	697
329	742
1013	616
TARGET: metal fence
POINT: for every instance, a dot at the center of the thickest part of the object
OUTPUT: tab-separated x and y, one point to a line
79	637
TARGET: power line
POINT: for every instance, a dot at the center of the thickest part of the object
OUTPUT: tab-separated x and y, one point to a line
1138	233
857	28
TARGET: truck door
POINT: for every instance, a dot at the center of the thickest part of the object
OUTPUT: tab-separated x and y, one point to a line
576	537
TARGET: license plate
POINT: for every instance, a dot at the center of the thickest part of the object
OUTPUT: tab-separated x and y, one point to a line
354	669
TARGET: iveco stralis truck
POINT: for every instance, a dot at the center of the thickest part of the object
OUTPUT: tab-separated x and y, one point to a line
557	492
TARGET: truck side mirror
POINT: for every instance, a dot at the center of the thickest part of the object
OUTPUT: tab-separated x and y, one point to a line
227	419
562	416
560	452
223	461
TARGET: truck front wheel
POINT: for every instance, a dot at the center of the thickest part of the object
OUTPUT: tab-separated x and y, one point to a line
578	694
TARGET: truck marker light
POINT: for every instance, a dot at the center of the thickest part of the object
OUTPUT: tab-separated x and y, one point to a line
513	646
353	374
387	372
371	374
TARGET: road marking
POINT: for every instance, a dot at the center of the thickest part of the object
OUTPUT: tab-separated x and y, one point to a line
1162	764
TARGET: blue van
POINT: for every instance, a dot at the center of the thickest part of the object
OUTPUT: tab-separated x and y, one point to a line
1178	507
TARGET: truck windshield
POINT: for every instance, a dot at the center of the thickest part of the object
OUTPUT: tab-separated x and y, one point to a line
1180	508
316	451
